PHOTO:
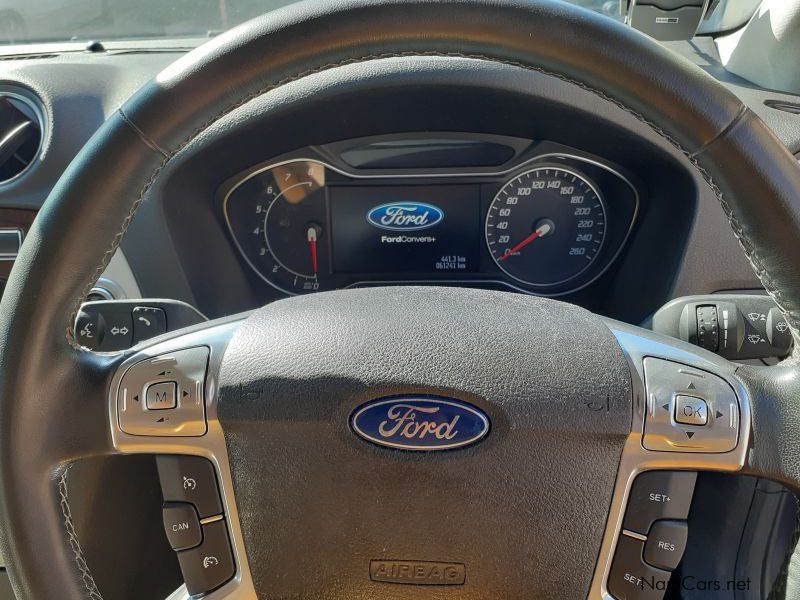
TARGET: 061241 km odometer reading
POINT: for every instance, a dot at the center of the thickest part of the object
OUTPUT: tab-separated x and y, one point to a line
546	226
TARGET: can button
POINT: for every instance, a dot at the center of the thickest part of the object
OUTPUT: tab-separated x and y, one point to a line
181	525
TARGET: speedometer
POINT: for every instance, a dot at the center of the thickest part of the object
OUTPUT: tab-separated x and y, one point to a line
546	226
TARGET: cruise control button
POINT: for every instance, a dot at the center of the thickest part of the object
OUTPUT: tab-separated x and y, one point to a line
690	410
181	525
160	396
190	479
631	578
665	544
210	564
659	495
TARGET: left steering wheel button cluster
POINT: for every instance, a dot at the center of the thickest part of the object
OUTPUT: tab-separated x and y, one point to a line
688	409
163	395
194	521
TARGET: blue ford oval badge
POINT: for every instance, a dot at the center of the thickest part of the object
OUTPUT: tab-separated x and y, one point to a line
420	423
405	216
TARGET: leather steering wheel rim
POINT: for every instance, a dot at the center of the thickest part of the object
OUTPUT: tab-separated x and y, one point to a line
50	414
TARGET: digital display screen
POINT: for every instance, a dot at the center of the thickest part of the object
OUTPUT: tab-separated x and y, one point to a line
422	229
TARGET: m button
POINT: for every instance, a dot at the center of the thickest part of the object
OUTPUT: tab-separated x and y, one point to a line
162	395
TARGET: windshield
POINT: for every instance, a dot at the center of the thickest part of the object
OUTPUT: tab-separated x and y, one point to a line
27	21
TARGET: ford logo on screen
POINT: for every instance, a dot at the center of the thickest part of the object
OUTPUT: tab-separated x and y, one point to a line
405	216
420	423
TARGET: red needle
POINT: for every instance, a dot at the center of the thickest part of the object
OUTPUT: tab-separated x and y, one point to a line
312	244
543	229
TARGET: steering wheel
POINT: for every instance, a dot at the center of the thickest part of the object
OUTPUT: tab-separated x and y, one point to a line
532	504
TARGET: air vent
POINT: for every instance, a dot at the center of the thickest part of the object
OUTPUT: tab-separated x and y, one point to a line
36	56
789	107
20	134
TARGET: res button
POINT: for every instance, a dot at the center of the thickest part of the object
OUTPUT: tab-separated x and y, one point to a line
665	544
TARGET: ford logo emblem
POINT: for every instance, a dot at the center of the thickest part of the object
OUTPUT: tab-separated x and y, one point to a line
405	216
420	423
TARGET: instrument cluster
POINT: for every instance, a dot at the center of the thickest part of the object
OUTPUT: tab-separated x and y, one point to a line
545	222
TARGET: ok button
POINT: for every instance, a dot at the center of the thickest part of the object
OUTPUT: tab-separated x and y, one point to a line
690	410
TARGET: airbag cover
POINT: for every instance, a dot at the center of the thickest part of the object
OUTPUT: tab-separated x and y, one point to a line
522	509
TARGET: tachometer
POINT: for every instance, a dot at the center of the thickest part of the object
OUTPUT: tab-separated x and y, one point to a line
280	225
546	226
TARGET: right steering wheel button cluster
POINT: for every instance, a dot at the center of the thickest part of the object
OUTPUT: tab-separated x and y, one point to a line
688	410
653	536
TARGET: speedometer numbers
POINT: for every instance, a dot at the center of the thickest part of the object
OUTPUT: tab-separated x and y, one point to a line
546	226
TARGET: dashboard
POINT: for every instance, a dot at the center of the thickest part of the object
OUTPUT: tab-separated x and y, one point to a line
483	211
418	153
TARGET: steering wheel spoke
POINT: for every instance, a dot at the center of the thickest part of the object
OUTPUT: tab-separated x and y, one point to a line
691	413
163	401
